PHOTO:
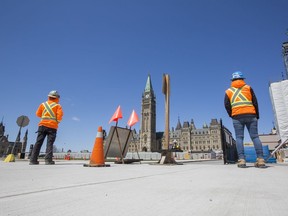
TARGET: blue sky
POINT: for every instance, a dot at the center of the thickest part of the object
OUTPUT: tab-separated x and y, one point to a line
98	54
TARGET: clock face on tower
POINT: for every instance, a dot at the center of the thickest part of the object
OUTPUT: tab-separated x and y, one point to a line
147	96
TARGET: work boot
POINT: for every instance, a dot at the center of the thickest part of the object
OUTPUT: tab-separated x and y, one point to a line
241	163
49	162
34	163
260	163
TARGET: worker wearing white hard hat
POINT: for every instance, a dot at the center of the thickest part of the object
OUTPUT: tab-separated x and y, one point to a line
51	114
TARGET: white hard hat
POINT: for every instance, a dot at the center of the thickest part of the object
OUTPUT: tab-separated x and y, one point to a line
54	94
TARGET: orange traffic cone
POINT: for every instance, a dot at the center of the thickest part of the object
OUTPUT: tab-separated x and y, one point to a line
97	156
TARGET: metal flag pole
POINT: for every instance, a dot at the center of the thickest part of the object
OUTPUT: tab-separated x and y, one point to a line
126	143
109	144
166	92
115	117
133	119
136	148
17	138
167	156
120	148
275	150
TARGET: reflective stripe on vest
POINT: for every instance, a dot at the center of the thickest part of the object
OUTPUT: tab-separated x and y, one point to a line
242	100
48	110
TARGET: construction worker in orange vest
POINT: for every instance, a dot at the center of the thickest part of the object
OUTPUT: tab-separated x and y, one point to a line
51	114
242	106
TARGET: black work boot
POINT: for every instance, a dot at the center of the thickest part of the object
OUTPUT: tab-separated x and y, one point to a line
49	162
33	162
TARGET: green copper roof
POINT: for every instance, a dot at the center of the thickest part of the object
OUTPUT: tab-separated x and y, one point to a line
148	87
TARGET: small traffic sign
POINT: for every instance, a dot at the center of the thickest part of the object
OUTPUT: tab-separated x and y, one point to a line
22	121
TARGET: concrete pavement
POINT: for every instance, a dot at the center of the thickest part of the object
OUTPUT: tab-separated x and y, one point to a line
196	188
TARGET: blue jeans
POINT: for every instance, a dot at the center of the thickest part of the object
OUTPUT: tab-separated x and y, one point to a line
252	125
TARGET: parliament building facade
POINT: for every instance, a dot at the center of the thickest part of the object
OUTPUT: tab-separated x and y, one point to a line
186	135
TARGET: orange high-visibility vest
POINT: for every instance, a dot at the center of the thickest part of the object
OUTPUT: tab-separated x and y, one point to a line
50	113
241	100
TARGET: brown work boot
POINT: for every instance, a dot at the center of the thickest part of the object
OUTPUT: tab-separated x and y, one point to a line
260	163
241	163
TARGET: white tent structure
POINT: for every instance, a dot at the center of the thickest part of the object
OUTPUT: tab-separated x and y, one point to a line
279	100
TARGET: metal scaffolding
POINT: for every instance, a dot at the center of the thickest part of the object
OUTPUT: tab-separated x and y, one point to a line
285	56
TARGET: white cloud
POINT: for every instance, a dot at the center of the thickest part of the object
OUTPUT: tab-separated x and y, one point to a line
75	118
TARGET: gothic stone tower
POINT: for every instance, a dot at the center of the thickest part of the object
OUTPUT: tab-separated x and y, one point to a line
148	121
285	56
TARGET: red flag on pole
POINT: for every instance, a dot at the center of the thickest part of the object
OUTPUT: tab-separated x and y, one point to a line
117	115
133	119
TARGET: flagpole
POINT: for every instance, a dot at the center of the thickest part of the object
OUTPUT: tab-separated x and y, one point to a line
126	142
108	147
166	91
133	120
122	158
115	117
136	148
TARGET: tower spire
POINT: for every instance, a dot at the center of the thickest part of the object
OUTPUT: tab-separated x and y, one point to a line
148	87
178	127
